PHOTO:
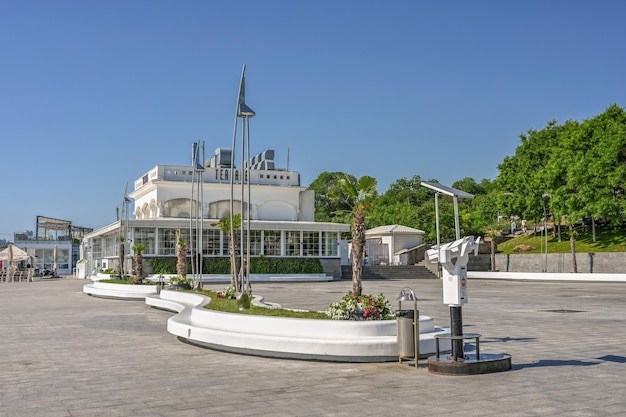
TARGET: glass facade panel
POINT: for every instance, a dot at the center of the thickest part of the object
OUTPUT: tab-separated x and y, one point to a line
211	242
221	209
255	242
310	243
292	243
96	248
167	240
145	236
111	246
329	244
271	243
179	207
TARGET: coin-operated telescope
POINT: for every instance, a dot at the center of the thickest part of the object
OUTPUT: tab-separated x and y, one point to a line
453	258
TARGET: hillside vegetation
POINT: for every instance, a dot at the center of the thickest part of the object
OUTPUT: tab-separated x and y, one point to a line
608	239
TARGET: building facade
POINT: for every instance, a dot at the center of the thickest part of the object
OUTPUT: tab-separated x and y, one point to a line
55	245
171	199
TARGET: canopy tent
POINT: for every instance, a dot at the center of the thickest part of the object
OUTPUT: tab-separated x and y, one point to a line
10	256
13	254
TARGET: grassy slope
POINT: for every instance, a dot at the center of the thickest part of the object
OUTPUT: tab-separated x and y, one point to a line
608	239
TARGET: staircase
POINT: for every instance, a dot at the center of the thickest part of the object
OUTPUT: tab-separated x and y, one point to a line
390	272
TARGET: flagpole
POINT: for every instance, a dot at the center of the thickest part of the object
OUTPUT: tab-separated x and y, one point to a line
245	113
232	178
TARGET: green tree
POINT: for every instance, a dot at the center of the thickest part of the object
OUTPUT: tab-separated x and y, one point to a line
122	254
405	191
357	196
138	248
326	208
600	167
232	234
181	255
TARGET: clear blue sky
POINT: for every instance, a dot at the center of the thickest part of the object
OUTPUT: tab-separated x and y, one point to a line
95	93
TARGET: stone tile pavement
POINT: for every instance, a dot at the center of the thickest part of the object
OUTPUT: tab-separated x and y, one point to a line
63	353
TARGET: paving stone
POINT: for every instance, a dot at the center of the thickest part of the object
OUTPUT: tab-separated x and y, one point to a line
63	353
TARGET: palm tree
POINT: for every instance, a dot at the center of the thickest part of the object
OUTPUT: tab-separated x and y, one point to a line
181	255
224	225
358	195
122	255
138	248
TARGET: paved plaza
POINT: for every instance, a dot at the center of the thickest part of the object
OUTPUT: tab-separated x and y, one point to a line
64	353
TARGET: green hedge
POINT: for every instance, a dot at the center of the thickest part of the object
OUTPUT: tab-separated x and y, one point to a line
162	265
258	265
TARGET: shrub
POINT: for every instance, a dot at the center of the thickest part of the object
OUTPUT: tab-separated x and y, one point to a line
366	306
258	265
181	283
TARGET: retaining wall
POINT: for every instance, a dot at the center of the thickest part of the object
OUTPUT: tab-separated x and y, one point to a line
602	262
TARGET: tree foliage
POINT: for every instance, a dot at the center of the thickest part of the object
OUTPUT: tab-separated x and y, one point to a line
570	170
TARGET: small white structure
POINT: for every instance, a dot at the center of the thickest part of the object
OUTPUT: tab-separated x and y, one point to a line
388	245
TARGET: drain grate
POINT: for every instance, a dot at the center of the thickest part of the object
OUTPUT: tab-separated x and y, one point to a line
563	311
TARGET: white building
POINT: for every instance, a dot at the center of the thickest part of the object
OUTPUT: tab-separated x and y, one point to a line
53	247
281	212
389	245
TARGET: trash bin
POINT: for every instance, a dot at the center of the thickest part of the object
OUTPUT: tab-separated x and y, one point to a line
406	333
159	287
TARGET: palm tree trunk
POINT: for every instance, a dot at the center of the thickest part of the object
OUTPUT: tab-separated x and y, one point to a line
139	267
122	256
358	244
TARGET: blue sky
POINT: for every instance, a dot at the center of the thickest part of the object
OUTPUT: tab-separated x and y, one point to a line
93	94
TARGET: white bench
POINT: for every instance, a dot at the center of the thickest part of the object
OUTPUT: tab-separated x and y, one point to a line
329	340
123	291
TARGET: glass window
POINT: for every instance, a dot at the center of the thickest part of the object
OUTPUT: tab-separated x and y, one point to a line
310	243
168	241
271	242
96	248
329	244
211	242
111	246
145	236
255	242
221	209
292	243
179	207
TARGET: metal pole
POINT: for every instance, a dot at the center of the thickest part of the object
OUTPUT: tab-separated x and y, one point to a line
242	183
545	230
456	329
249	216
416	331
201	220
438	234
457	226
191	211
